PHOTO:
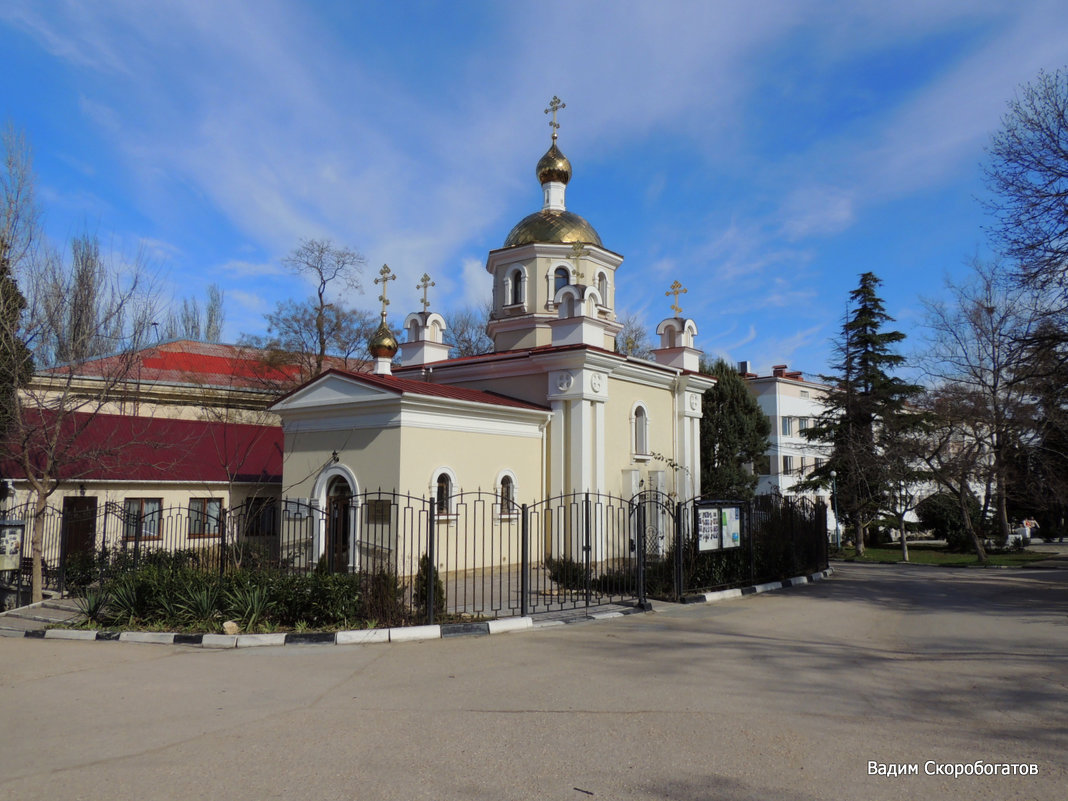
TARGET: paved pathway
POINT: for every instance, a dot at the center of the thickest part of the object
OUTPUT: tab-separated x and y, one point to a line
787	695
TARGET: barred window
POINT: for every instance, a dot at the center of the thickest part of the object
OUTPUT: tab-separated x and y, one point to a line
142	518
204	517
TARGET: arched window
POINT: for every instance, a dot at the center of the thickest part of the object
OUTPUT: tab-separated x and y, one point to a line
507	495
444	493
517	288
641	430
561	278
602	288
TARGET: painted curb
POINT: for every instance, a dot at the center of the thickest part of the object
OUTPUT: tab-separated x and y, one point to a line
464	630
310	638
414	633
259	640
219	641
155	637
362	636
70	634
396	634
508	624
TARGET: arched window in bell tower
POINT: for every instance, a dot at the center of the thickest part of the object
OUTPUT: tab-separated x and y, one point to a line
516	288
561	278
602	288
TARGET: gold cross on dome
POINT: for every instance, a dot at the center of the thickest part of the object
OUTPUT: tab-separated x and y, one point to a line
387	276
554	106
676	290
424	284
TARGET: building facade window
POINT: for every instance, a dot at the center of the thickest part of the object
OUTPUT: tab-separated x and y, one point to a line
641	431
804	394
506	493
204	517
443	493
516	288
786	427
762	465
142	518
602	288
802	424
561	278
787	464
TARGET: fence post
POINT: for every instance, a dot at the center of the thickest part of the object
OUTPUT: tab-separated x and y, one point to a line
222	540
432	559
524	563
62	573
752	551
640	540
137	539
586	544
680	582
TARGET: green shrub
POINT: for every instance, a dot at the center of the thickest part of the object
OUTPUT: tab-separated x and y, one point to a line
422	589
383	599
566	573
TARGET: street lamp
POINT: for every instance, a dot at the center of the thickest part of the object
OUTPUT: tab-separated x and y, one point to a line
834	497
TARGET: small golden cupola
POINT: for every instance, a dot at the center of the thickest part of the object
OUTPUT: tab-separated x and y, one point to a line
383	345
553	223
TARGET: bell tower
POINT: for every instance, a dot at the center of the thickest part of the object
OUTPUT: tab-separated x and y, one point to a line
553	267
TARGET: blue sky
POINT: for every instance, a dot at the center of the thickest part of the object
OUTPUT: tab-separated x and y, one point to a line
764	154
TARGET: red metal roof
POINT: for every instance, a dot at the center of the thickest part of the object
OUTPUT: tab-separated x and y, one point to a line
407	386
107	447
203	364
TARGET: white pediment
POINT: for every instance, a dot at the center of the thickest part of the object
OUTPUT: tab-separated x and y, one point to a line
332	390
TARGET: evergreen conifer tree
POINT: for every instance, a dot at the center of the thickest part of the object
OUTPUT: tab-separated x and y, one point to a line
734	435
16	363
865	411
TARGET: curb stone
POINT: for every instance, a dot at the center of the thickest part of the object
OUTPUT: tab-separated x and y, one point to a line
396	634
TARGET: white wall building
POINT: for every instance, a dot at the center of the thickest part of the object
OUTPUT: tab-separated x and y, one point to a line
792	404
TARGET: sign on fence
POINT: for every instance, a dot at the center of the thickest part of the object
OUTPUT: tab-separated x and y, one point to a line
10	544
718	527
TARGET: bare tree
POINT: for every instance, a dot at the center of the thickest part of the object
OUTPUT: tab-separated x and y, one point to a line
190	321
633	339
466	333
19	233
978	362
73	311
296	332
20	216
1028	173
325	264
958	457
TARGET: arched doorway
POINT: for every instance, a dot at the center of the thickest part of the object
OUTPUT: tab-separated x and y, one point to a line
338	524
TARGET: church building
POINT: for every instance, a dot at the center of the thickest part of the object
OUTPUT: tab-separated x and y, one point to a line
552	410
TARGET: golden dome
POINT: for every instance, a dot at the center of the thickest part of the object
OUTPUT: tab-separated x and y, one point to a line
383	344
548	225
554	166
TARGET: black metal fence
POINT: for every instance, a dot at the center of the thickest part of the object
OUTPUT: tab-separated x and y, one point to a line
474	555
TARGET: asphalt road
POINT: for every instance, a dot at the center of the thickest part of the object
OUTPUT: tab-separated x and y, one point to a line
787	695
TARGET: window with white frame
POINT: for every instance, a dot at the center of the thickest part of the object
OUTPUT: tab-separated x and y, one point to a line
786	427
802	424
561	278
641	430
787	464
506	495
444	487
515	288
